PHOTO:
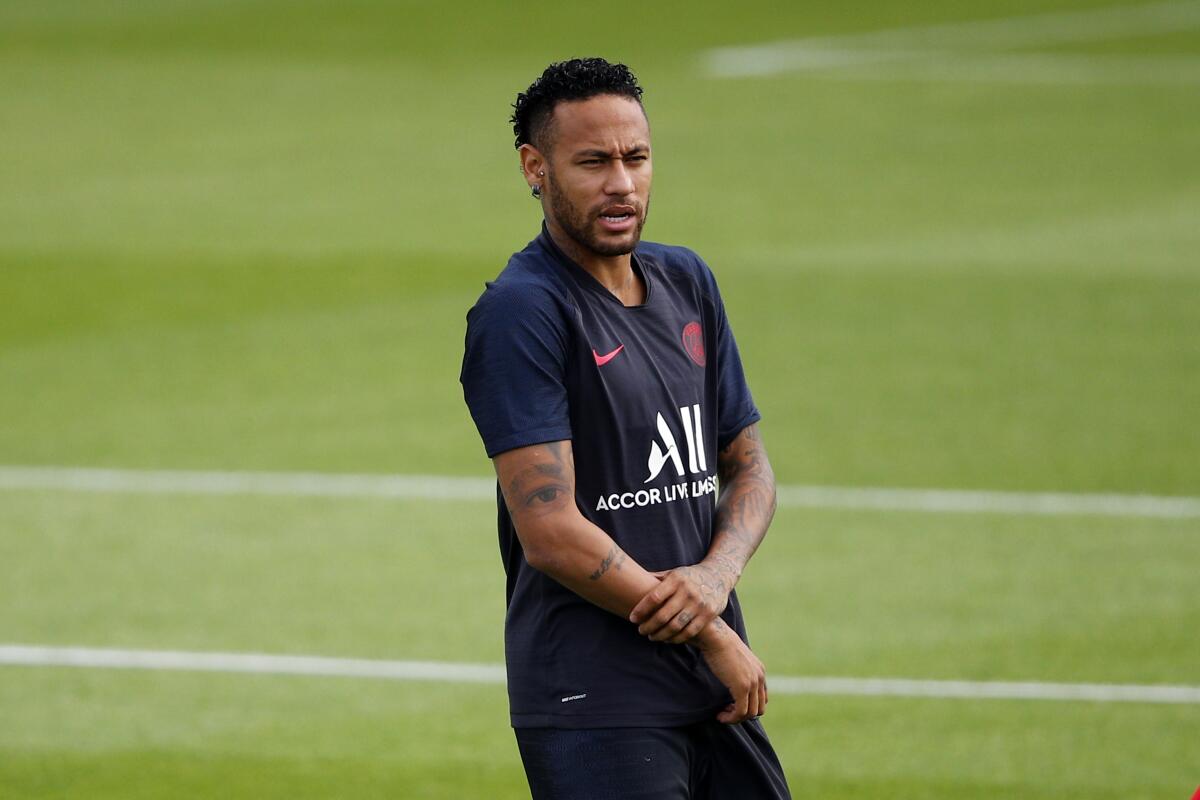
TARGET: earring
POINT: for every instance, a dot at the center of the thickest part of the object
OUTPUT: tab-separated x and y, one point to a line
536	191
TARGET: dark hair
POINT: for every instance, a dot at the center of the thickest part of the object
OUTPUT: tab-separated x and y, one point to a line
577	79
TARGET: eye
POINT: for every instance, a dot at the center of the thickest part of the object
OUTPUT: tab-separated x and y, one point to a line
546	495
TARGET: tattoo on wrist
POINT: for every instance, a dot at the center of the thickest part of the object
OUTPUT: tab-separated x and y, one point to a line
614	559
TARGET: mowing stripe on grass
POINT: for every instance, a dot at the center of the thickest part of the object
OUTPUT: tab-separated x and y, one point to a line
433	487
957	39
449	672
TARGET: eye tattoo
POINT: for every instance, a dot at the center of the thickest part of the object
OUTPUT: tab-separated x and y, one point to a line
546	495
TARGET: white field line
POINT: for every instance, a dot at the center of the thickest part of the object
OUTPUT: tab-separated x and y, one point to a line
431	487
98	658
1032	68
962	501
898	44
449	672
292	484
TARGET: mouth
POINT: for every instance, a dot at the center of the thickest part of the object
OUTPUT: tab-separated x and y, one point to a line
618	218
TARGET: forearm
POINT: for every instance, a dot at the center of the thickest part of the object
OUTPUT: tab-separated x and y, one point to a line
745	506
585	559
538	483
743	515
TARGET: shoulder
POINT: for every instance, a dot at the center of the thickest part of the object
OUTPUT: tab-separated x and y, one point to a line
529	285
680	264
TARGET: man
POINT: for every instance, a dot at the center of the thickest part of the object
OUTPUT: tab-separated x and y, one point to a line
604	380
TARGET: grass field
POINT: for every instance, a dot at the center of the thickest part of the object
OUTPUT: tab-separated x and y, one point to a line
243	236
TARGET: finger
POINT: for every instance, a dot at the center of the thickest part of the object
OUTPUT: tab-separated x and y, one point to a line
726	714
653	601
741	705
693	628
752	702
663	624
661	574
650	603
676	624
674	632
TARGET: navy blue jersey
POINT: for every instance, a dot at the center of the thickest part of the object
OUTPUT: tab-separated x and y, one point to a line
647	395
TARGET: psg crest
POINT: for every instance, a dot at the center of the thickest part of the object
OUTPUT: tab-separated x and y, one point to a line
693	342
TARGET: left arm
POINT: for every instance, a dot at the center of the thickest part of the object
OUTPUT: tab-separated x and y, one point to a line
688	598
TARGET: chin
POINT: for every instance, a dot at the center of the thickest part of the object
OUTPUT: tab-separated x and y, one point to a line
616	248
617	245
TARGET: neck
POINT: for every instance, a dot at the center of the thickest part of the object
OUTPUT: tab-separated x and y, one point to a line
614	273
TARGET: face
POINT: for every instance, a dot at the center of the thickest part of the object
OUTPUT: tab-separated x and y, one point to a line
598	170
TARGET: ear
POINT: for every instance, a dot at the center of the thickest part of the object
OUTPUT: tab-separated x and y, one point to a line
533	165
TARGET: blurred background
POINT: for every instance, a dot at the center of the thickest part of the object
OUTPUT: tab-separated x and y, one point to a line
958	244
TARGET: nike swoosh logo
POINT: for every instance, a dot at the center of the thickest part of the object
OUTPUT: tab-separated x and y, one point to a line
602	360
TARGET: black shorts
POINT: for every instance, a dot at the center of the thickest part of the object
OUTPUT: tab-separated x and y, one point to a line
704	761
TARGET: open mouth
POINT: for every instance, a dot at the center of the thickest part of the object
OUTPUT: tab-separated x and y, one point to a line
617	217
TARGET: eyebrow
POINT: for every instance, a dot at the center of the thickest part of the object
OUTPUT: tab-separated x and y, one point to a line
641	148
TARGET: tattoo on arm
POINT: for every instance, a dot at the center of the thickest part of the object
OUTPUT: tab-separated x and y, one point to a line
614	559
546	483
747	501
538	485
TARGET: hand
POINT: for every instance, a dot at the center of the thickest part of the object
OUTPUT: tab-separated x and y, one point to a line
736	666
685	601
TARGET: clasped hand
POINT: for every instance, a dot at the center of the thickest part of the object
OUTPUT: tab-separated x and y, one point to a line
685	601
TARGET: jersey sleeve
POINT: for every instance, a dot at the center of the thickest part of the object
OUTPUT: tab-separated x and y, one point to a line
514	367
735	404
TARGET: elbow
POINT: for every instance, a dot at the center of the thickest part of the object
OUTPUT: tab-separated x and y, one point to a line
773	502
772	495
542	549
542	558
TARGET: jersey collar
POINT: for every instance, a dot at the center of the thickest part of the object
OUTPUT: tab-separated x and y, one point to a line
585	278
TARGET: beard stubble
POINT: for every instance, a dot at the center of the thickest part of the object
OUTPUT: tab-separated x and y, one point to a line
577	224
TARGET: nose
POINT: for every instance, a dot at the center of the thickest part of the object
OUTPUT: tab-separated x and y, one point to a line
619	182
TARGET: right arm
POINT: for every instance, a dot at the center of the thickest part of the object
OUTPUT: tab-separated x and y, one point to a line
538	483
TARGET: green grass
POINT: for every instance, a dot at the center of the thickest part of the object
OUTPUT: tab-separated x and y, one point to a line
831	593
245	235
240	736
203	735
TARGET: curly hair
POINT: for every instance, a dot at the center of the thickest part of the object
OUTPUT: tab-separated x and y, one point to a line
577	79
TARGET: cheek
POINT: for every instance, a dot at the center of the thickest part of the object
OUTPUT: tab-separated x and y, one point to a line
569	182
586	192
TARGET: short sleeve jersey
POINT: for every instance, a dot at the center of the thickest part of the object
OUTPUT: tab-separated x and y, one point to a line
647	395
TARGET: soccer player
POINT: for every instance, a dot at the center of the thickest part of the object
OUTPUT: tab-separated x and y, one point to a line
603	377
